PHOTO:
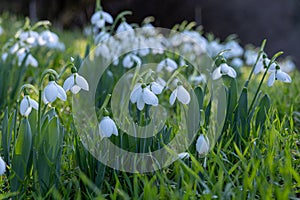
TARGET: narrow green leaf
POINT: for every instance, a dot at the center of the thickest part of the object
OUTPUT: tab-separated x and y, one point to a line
261	116
21	154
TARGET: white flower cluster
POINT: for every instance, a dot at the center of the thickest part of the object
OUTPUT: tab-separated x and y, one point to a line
25	41
146	94
52	91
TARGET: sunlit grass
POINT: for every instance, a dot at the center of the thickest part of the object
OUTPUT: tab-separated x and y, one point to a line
267	168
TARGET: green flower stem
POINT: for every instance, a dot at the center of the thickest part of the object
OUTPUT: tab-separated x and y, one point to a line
98	5
48	71
178	70
70	64
118	18
26	86
39	112
105	103
267	68
263	44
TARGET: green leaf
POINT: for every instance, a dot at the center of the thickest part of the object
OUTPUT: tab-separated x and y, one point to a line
7	131
241	128
261	116
232	100
21	154
200	96
49	154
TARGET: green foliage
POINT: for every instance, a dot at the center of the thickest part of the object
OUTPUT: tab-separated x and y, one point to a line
256	157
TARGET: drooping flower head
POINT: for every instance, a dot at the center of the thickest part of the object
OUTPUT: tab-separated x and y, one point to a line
141	95
26	106
107	127
278	74
223	69
53	91
75	83
181	94
202	145
100	17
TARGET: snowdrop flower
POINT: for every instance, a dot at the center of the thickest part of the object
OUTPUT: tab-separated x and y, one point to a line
278	75
13	49
198	79
155	87
30	60
2	166
202	145
100	18
235	49
223	69
183	155
107	127
101	37
131	59
237	62
51	40
169	64
124	26
213	48
260	66
29	37
250	57
26	106
142	95
287	65
53	91
102	50
181	94
4	56
75	83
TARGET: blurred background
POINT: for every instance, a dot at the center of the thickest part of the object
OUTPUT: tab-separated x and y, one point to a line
251	20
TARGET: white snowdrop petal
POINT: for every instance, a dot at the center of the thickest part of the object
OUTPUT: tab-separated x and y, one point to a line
95	17
173	97
34	104
115	129
31	61
24	106
136	93
183	95
216	73
140	103
69	82
44	98
271	79
231	72
81	82
2	166
75	89
100	23
28	111
183	155
51	92
127	63
107	17
105	127
202	145
284	77
156	88
171	63
61	93
149	97
259	67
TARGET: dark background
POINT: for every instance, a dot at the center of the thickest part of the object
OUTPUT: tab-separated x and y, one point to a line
251	20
